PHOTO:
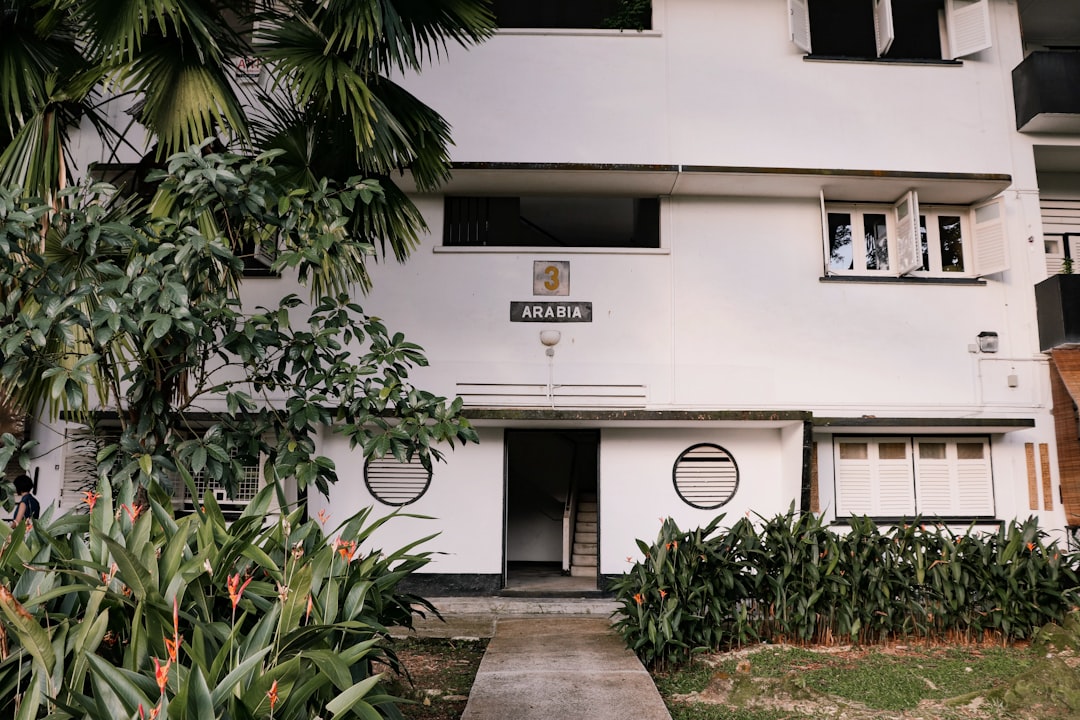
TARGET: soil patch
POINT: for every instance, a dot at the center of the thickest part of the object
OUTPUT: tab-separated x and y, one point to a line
441	672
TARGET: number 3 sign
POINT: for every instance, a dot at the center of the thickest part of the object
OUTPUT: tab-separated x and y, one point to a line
551	277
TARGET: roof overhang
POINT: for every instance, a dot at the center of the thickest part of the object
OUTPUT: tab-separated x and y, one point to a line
548	417
920	426
505	178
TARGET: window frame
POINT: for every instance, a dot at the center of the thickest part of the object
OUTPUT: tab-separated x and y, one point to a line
906	488
965	24
983	238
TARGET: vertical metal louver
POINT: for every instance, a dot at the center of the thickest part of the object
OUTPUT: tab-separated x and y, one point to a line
706	476
396	483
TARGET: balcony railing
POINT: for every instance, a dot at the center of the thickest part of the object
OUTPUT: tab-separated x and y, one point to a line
1046	92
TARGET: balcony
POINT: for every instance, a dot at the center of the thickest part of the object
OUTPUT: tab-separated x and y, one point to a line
1046	92
1057	302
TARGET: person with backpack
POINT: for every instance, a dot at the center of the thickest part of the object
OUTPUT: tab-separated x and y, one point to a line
27	506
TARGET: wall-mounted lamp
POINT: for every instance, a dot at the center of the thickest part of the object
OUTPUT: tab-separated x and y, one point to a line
988	342
549	339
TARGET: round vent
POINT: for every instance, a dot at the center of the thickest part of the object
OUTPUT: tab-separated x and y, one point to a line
396	483
706	476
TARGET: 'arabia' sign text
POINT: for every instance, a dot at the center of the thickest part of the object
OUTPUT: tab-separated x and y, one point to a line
550	311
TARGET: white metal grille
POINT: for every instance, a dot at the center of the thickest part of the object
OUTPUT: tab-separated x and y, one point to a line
396	483
706	476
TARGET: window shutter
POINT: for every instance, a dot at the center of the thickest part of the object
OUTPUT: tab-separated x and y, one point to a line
935	482
883	26
825	246
988	238
854	482
799	23
895	485
908	253
968	25
975	485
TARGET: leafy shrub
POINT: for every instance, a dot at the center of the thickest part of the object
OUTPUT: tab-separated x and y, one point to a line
795	580
126	612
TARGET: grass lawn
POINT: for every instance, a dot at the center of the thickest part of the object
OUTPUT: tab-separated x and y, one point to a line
770	683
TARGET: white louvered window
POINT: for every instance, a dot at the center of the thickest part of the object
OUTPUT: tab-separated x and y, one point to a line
896	477
248	484
890	29
913	240
706	476
395	483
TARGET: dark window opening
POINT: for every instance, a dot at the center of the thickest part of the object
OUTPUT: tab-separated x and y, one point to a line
552	221
572	14
845	29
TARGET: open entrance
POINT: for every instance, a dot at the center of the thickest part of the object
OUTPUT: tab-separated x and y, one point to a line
552	512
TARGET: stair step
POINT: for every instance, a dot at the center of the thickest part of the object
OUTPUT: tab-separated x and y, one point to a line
589	560
583	507
586	517
586	537
585	527
584	548
587	497
576	571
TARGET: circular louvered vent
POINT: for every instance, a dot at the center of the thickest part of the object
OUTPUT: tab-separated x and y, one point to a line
396	483
706	476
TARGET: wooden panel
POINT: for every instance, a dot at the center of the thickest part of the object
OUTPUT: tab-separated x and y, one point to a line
1048	495
1064	381
1033	480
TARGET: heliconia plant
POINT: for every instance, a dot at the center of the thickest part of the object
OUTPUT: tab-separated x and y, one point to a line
796	580
126	612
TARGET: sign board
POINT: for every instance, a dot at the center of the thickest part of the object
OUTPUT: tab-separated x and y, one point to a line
551	277
560	312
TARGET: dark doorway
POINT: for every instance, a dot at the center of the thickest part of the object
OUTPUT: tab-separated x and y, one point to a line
550	481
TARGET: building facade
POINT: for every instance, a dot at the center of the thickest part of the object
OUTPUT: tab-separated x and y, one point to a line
756	255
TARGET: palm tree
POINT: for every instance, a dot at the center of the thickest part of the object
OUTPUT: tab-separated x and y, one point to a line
67	64
328	65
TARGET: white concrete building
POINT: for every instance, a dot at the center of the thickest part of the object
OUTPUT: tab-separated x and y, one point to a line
760	253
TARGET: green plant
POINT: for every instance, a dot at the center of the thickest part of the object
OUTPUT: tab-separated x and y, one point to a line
794	580
631	15
126	612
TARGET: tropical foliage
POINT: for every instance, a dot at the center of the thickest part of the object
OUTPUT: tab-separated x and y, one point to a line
137	309
126	612
796	580
166	70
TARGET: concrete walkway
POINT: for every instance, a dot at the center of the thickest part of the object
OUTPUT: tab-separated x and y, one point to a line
548	659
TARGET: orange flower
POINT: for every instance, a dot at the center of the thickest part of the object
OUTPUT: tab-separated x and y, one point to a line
236	589
323	516
171	646
638	598
91	498
272	694
663	594
309	604
175	618
133	512
1030	546
161	674
345	548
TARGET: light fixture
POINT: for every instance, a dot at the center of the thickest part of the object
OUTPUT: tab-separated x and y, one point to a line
549	339
988	342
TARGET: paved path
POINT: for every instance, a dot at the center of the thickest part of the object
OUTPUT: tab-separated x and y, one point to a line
563	667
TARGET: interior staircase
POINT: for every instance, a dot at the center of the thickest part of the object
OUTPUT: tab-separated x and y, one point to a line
583	562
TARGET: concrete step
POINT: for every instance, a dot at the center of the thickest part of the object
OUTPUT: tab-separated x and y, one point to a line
585	527
585	537
586	507
582	571
584	548
586	517
585	560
